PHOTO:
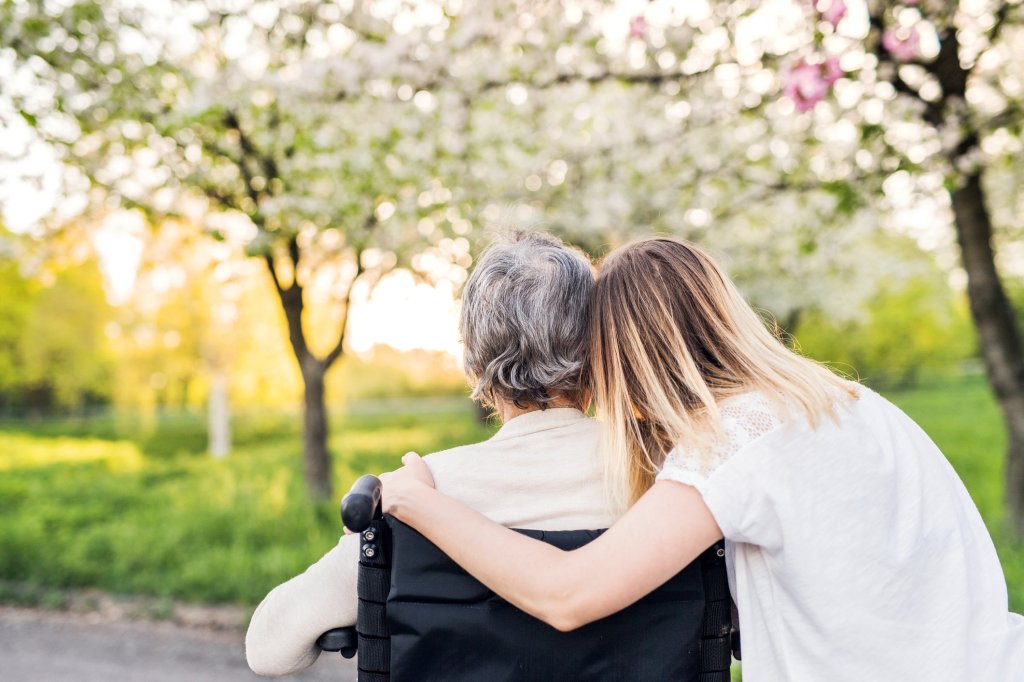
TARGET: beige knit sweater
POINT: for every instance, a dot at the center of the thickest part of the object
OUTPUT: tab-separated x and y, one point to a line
540	471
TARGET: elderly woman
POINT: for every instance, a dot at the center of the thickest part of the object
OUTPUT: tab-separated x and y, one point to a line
524	326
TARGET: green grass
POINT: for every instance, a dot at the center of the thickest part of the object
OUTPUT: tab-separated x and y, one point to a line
136	506
139	515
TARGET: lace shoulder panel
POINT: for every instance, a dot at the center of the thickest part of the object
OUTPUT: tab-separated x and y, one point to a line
745	418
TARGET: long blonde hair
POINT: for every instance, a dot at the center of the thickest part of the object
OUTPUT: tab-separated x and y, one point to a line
672	336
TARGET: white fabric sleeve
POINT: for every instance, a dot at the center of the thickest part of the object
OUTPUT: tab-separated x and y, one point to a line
684	467
729	491
282	634
736	498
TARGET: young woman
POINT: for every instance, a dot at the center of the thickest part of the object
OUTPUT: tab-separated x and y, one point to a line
855	551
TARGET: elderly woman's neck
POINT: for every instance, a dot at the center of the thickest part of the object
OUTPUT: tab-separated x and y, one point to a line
509	410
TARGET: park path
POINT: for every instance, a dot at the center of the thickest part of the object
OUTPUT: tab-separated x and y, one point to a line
48	646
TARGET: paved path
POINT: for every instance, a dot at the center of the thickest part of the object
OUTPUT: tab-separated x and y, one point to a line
42	646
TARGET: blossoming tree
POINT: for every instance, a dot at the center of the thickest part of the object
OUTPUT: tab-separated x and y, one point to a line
947	73
672	120
914	107
347	139
274	125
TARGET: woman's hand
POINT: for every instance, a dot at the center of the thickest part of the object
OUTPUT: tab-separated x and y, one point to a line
403	487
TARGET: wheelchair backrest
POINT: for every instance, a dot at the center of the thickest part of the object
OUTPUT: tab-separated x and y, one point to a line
421	617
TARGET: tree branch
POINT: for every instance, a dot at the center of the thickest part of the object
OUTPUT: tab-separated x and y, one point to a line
265	162
339	347
1001	17
1002	14
640	78
368	225
878	24
223	198
941	68
295	255
1013	113
269	258
293	305
652	78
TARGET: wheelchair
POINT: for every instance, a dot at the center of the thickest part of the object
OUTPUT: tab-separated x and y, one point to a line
421	617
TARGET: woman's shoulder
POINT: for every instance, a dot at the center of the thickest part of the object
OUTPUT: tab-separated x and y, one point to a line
753	420
747	416
744	418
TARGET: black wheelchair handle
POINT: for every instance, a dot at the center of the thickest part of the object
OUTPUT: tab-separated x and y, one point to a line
343	640
362	504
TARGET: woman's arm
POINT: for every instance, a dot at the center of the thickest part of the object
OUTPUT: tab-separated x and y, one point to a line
665	530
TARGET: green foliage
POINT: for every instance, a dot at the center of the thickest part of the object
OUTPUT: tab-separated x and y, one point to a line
847	197
15	310
388	373
107	512
63	346
52	350
908	333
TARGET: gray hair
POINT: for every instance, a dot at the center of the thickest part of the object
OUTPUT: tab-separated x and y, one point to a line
525	319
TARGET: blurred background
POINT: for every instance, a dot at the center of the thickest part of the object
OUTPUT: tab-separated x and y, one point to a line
234	232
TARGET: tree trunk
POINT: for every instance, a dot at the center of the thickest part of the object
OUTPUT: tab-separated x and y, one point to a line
219	416
316	458
996	323
315	455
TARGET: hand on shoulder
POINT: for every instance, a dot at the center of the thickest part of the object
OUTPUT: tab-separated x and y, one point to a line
401	487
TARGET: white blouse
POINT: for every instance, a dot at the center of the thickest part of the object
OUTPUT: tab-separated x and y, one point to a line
855	552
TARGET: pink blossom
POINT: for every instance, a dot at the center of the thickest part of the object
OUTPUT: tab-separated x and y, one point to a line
637	27
831	70
835	12
807	84
902	44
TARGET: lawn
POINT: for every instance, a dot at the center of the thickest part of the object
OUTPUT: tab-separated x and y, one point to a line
138	508
150	513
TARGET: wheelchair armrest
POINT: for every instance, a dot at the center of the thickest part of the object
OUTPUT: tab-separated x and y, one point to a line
342	640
